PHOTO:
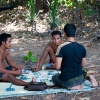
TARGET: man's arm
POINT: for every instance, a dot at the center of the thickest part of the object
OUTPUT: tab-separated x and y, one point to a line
58	63
83	62
11	63
3	70
42	58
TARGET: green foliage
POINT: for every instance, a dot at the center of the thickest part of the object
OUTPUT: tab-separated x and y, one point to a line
63	2
29	54
30	57
33	59
70	3
81	4
53	10
25	58
89	11
53	14
31	4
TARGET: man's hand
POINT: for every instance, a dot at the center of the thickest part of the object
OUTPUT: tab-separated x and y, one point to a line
18	72
50	66
36	68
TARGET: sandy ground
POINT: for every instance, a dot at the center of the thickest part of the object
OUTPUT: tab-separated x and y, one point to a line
22	46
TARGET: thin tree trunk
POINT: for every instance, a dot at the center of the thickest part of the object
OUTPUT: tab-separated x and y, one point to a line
98	12
77	13
38	5
0	3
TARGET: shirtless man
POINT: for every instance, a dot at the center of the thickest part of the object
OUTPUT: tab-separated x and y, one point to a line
8	74
50	50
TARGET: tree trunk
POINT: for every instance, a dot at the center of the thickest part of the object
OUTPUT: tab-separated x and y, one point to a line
98	12
0	3
38	5
77	13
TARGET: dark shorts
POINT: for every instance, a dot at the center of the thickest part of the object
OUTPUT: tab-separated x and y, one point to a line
69	83
7	68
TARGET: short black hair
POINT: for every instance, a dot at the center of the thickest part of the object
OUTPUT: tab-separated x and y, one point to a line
3	37
70	30
55	33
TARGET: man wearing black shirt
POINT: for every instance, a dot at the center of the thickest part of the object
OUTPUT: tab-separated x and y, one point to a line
70	58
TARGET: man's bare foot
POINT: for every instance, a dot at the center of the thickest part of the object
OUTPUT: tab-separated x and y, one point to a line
33	79
79	87
93	81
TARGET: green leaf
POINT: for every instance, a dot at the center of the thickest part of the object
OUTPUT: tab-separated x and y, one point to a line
89	12
53	13
33	59
63	2
29	54
25	58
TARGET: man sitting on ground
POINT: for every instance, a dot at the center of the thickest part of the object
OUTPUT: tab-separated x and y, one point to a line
50	50
70	58
8	74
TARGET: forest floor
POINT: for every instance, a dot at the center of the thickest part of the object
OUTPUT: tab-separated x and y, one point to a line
24	41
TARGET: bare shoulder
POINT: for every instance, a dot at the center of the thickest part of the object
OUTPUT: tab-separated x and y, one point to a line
7	51
50	44
4	55
62	42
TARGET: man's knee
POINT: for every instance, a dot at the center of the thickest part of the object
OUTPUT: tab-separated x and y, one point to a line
56	79
7	77
49	48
